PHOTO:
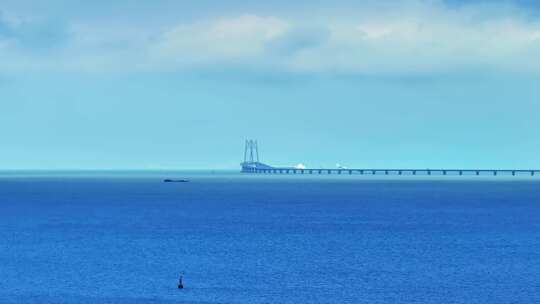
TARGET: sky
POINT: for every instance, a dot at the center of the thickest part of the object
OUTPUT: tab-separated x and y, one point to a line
166	84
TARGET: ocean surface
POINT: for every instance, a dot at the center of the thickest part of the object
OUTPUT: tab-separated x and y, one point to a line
125	237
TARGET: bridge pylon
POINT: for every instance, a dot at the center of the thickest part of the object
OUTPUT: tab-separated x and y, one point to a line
251	162
251	151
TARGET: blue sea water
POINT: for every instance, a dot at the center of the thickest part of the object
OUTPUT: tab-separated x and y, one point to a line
124	238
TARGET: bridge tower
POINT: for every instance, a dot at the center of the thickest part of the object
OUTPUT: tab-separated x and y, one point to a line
251	162
251	151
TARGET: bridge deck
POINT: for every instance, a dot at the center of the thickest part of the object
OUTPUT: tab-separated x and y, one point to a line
379	171
252	164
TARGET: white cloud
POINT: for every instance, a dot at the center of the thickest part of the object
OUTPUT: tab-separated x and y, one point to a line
420	38
421	42
226	39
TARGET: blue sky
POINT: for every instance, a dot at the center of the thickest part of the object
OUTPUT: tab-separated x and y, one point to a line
180	85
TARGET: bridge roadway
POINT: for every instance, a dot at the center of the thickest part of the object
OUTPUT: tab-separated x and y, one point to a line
284	170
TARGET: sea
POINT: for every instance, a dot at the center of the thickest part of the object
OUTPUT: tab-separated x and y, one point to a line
125	237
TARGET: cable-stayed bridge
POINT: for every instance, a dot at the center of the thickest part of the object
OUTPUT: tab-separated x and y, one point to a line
252	164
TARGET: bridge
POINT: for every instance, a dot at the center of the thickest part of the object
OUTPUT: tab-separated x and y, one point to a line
251	164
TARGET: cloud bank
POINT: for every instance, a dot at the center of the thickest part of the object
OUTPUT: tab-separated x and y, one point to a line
412	37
